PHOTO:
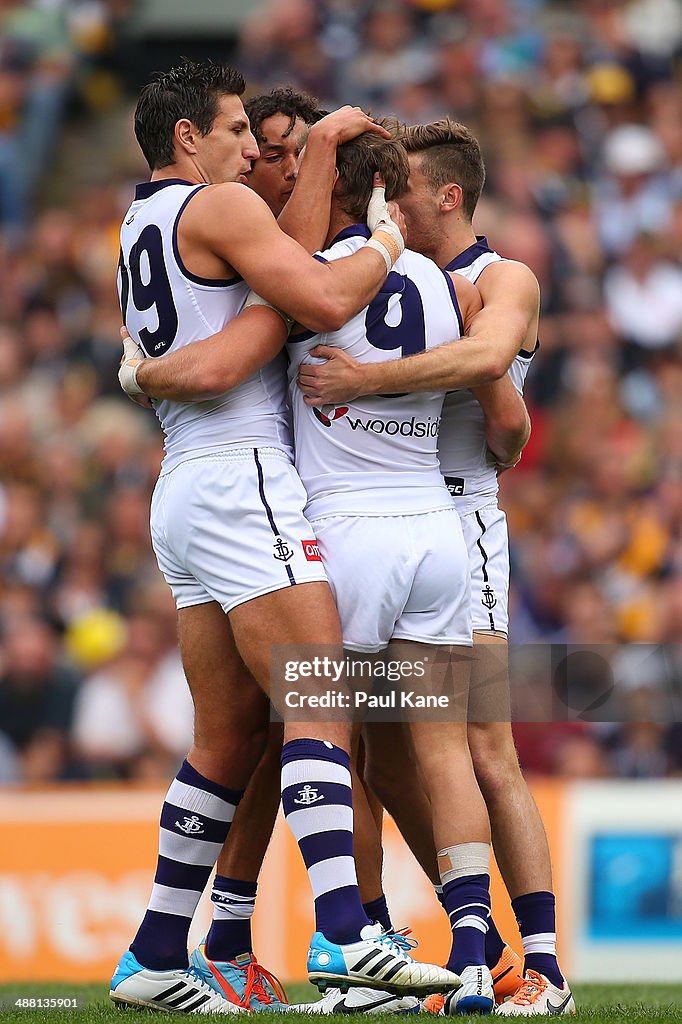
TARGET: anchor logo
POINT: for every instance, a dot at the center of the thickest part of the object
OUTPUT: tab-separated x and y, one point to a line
282	550
192	826
309	795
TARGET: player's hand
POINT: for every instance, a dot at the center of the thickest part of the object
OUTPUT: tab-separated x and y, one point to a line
493	460
131	359
383	216
339	379
347	123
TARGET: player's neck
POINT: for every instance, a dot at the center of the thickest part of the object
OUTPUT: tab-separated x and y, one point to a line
452	242
181	171
337	222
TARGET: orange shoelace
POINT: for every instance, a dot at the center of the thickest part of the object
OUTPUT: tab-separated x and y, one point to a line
256	978
531	990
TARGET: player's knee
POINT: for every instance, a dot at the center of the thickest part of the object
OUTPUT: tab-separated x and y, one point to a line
494	757
274	738
381	781
226	746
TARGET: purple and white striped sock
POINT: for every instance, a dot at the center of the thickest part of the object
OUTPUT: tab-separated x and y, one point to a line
318	805
494	943
536	917
466	897
234	902
195	819
467	901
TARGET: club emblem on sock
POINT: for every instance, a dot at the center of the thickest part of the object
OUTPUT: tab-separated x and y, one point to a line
192	826
308	795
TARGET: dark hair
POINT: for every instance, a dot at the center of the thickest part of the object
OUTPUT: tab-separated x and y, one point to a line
357	161
188	91
450	153
282	100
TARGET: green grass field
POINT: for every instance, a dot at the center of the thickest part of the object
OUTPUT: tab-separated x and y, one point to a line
599	1004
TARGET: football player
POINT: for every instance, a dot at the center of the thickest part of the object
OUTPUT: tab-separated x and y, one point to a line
446	179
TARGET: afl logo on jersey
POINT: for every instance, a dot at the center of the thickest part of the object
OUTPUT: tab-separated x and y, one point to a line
328	413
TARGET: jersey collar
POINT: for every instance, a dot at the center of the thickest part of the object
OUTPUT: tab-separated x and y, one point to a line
472	252
352	231
148	188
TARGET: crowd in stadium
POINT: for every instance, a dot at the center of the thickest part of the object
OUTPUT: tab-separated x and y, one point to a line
578	107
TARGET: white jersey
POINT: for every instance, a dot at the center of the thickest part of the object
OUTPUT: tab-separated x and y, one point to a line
378	455
462	446
165	307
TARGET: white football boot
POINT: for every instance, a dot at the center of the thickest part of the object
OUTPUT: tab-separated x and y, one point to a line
180	991
357	1000
375	961
476	994
538	997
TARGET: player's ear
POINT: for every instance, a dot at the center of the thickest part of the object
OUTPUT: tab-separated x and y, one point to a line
450	197
185	135
335	186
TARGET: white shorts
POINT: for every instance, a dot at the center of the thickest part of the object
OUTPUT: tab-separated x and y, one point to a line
485	533
398	577
230	527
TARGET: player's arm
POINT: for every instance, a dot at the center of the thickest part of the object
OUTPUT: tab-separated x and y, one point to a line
511	301
507	423
208	367
469	300
238	227
306	216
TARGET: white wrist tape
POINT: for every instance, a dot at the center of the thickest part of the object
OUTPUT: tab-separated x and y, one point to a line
385	242
386	237
253	299
127	372
464	859
127	376
372	243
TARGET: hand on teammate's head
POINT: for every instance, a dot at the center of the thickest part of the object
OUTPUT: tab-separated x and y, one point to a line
347	123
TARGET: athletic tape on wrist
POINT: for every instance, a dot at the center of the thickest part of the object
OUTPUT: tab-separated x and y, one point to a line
383	251
139	390
391	244
464	859
127	376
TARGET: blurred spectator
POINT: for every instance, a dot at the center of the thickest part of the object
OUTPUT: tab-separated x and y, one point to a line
13	198
644	280
37	695
123	709
633	195
392	56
